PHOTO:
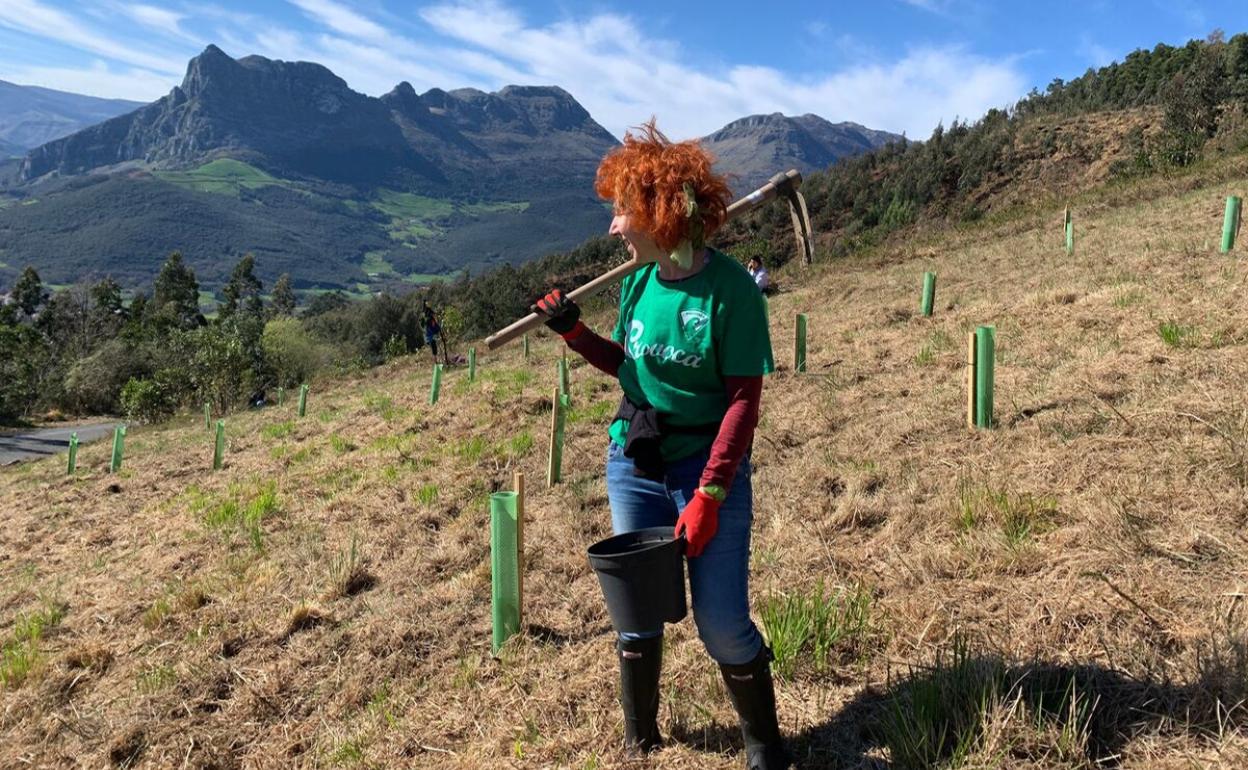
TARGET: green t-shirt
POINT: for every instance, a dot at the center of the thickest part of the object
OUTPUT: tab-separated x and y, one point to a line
681	338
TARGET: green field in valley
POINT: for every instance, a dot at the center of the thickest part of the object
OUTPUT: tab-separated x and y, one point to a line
224	176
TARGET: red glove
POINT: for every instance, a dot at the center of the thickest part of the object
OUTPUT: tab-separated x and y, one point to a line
698	522
562	314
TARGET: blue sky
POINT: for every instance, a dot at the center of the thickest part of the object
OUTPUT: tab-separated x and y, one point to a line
900	65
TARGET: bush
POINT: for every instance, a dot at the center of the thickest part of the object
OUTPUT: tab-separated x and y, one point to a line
395	347
221	360
291	353
145	400
93	384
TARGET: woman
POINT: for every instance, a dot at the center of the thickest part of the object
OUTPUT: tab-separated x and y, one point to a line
759	273
690	350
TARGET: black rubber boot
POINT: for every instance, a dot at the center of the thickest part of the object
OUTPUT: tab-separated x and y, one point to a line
641	662
753	696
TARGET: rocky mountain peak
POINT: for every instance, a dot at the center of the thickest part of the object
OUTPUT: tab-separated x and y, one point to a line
755	147
403	89
211	66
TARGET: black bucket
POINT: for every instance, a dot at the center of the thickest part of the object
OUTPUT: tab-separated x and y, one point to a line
642	574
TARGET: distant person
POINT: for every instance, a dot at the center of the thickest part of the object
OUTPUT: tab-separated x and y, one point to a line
432	330
759	274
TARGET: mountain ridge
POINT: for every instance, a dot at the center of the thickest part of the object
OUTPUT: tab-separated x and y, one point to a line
31	116
300	119
752	148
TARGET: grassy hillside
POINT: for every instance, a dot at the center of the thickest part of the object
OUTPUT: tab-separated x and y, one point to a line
323	235
1063	591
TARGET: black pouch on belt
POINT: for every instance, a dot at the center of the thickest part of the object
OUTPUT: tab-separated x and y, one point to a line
646	428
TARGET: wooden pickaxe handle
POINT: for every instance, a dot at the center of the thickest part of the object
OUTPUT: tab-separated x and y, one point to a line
784	184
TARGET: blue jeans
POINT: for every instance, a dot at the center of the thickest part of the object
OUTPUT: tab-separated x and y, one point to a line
719	578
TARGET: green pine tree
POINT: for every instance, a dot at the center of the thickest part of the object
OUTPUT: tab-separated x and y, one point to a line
242	292
175	295
284	301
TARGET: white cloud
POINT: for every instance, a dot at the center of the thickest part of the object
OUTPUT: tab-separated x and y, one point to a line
622	77
1094	53
47	22
343	20
159	19
98	79
934	6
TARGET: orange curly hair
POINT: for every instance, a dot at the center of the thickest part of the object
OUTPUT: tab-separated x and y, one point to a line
646	177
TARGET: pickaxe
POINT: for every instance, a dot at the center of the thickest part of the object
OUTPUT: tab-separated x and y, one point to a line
785	184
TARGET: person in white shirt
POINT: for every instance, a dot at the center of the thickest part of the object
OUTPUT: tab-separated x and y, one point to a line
759	273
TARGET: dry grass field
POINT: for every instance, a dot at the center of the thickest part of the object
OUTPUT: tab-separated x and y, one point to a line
1064	591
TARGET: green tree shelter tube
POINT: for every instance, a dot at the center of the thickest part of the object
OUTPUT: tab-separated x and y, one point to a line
281	396
472	364
526	347
218	450
1230	222
504	566
799	343
435	386
985	355
73	454
207	416
929	294
119	441
303	400
561	369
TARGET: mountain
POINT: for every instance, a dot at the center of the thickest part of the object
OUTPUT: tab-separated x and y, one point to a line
31	116
752	149
300	120
396	187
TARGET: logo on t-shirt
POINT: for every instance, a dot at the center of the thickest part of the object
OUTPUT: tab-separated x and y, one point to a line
693	323
657	350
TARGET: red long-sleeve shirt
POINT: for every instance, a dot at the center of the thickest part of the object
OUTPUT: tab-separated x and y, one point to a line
736	430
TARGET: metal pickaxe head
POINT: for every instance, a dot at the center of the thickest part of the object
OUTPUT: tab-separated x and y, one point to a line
788	184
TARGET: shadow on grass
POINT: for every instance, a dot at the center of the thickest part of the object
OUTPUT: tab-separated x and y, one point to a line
972	706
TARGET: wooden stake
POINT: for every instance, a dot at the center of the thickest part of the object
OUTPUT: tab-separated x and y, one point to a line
555	466
517	483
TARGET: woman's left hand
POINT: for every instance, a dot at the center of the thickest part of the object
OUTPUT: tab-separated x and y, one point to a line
698	522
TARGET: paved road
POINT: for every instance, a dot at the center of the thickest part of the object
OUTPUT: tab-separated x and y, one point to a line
35	444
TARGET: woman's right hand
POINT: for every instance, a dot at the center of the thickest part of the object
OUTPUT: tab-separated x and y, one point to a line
561	313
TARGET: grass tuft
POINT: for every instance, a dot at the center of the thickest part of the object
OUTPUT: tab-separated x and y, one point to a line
1174	334
340	445
427	494
239	512
827	627
278	429
155	678
347	571
20	656
967	710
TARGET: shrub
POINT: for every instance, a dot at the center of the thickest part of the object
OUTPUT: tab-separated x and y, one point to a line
395	347
145	400
291	353
93	384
